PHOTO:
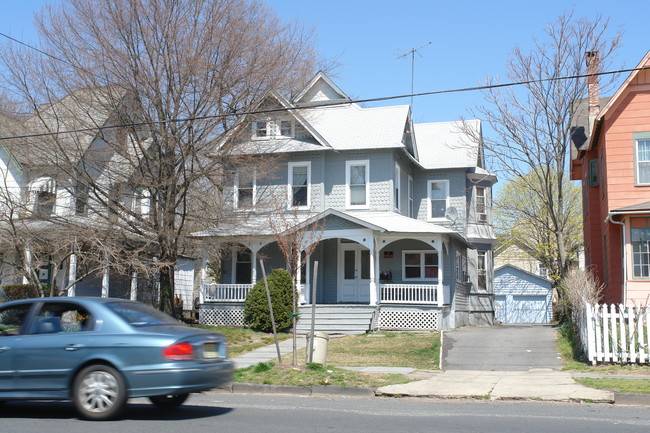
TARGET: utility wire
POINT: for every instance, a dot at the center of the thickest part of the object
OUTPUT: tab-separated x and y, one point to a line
304	107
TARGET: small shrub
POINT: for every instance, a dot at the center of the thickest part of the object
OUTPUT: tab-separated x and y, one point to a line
256	307
261	367
20	291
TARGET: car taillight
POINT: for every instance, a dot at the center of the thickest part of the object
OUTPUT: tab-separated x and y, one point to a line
179	352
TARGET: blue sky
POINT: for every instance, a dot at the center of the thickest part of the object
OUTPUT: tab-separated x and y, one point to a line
469	41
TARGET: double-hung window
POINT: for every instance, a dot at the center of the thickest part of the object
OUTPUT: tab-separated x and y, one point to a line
481	268
420	265
299	188
356	180
640	234
481	204
642	159
245	186
438	199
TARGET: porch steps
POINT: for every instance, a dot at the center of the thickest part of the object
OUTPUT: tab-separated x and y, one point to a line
337	319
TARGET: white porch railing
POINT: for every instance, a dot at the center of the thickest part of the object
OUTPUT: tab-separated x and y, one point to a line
412	294
615	333
225	292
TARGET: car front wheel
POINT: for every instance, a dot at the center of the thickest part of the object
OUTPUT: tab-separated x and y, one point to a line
168	401
99	392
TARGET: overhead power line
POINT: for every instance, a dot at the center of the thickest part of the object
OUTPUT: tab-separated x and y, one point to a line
310	106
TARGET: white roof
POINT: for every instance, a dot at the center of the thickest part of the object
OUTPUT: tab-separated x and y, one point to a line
349	126
445	145
392	222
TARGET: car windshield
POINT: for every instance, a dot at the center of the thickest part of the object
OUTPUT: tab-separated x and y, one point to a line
137	314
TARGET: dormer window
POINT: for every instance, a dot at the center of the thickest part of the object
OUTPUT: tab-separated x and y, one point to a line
276	128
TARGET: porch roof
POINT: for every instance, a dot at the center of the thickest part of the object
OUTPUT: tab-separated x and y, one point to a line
383	222
635	208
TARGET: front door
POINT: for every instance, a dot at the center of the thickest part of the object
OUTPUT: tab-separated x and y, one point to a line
354	273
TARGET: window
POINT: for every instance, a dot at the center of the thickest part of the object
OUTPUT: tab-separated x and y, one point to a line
420	265
642	158
542	270
299	184
461	267
81	199
245	186
438	198
243	266
481	268
396	184
640	238
12	318
141	201
410	194
356	179
58	317
43	193
264	129
481	208
593	172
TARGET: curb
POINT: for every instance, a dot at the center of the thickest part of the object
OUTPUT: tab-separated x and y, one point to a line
624	398
312	390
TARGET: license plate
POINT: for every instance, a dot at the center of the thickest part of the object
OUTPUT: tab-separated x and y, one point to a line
210	351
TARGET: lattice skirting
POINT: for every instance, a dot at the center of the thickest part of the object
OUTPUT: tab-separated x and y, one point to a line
222	315
411	319
389	318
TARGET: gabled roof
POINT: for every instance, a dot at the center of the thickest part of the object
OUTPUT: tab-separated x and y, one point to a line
351	127
635	208
320	88
645	62
508	267
446	145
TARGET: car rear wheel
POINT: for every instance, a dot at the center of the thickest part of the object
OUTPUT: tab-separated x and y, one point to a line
170	401
99	392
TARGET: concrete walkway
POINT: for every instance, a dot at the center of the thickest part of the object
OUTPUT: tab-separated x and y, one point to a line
545	384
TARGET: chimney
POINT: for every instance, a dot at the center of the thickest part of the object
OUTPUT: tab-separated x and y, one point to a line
592	60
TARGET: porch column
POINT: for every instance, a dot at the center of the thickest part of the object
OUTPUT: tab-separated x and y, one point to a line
307	281
28	262
253	266
105	282
440	289
374	267
72	275
301	295
134	286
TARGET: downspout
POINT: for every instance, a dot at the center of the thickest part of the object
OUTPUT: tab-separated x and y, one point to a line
609	219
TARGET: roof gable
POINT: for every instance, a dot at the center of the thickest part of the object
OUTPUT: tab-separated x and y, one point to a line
448	145
321	89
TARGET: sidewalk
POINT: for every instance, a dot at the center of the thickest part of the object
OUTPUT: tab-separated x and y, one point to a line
535	384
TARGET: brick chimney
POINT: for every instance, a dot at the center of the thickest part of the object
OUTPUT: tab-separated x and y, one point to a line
592	60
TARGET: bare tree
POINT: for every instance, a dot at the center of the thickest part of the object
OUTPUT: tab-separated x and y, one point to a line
297	238
531	122
148	89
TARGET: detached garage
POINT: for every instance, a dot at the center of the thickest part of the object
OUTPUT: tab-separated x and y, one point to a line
521	296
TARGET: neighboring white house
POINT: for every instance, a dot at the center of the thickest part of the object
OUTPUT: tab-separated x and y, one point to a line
404	209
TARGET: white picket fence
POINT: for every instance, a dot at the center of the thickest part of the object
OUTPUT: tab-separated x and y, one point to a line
615	334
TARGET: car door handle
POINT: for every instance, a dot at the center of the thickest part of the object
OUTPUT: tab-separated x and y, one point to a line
73	347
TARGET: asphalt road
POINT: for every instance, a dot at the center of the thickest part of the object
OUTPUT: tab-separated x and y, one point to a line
254	413
500	348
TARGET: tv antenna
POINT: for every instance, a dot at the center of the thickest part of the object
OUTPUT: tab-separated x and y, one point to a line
412	52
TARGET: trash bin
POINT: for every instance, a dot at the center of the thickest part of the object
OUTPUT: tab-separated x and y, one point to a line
319	352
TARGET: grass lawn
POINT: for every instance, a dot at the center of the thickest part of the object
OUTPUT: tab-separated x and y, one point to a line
418	350
573	362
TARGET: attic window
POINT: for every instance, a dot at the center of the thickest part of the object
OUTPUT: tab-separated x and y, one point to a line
278	128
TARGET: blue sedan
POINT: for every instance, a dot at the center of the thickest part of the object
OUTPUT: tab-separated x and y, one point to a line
99	352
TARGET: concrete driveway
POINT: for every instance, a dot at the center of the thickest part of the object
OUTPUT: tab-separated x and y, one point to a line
500	348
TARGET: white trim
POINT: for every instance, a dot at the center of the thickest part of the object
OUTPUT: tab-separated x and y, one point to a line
422	264
348	166
410	210
397	188
636	162
236	191
429	209
273	128
290	185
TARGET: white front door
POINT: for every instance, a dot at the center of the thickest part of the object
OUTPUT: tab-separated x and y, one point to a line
354	273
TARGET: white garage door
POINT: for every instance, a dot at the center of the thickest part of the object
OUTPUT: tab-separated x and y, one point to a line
521	309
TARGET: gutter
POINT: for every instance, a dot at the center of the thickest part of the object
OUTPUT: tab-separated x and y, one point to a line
609	219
